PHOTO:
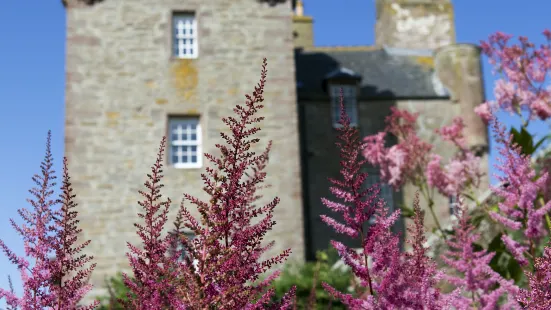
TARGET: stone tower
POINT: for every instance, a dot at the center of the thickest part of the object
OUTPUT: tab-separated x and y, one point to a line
414	24
140	69
425	30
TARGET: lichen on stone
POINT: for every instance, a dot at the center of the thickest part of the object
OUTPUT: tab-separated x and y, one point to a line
185	77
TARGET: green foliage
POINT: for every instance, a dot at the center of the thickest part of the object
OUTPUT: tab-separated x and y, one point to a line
503	262
117	290
303	276
525	140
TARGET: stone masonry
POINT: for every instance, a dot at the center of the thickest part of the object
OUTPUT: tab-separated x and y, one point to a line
122	84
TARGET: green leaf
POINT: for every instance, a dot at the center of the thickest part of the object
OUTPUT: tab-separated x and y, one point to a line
477	219
496	244
524	140
477	247
406	211
515	271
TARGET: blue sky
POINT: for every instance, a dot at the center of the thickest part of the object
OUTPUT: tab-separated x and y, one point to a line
32	76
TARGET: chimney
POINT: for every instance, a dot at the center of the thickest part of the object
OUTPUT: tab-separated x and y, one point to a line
459	68
414	24
303	30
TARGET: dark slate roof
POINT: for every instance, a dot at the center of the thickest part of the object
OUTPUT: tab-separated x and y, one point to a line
385	73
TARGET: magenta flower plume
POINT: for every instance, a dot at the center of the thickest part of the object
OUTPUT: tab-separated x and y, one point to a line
357	207
223	263
48	283
421	275
68	268
155	272
36	237
538	297
519	208
473	277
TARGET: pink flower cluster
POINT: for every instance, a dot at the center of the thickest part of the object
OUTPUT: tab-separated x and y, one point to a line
520	208
397	280
462	170
476	278
411	160
525	68
404	161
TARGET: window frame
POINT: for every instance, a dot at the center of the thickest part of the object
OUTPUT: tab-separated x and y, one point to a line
198	142
350	96
175	39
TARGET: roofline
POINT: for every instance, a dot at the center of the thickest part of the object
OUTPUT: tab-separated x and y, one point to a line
361	98
342	48
79	3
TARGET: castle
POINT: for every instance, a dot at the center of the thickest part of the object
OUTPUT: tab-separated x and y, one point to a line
137	70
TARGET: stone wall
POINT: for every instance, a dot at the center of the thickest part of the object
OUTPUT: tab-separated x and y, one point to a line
122	84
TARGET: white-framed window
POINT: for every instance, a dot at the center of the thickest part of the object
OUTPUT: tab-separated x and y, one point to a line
185	142
184	36
350	101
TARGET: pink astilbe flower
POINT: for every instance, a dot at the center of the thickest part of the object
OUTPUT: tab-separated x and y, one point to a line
538	297
421	273
477	281
411	159
357	207
454	133
404	161
68	268
228	243
525	68
155	272
462	170
49	282
519	208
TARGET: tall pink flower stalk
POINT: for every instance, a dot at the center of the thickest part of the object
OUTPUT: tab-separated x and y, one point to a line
520	209
69	271
525	68
228	245
154	284
473	277
538	296
420	271
358	206
57	279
